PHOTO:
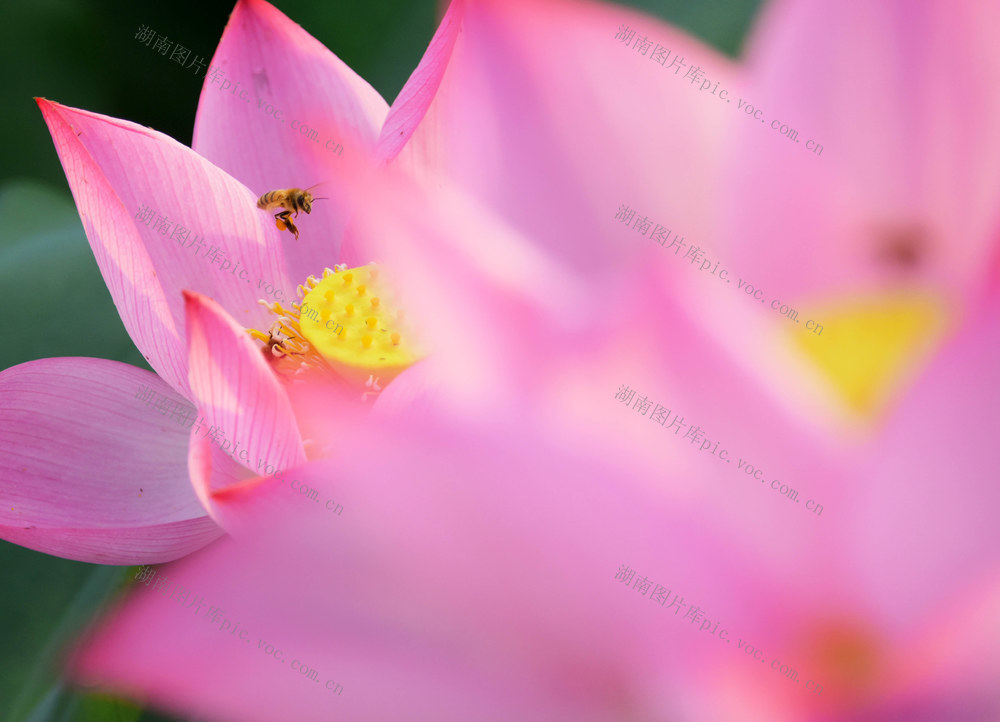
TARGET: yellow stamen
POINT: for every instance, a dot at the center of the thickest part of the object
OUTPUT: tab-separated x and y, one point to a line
870	347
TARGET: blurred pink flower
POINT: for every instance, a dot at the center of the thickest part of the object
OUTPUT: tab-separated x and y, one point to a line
467	577
471	579
889	236
470	576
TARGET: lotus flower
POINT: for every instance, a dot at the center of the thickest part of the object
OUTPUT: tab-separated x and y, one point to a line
887	601
110	482
145	201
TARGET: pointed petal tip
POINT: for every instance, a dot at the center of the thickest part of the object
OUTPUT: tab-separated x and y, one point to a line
46	106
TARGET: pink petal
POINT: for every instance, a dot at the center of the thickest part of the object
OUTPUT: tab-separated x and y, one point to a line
478	608
114	167
238	393
928	525
957	658
554	123
240	501
526	337
509	289
417	96
89	471
248	684
907	152
268	59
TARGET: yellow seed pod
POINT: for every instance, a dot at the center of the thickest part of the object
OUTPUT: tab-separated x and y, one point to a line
358	345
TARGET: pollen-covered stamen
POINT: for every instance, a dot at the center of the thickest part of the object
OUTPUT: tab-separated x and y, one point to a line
284	345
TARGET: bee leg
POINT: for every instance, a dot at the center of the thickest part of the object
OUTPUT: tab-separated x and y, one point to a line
282	220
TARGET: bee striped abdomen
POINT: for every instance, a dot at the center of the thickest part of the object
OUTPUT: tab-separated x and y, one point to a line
270	197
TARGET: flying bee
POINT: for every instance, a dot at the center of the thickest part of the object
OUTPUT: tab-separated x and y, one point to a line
292	200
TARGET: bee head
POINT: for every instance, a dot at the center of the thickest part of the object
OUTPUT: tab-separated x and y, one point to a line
305	201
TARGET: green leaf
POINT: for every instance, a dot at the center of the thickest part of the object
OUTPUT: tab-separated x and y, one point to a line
722	24
55	598
48	271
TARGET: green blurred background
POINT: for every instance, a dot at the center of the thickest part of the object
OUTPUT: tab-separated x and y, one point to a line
83	53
